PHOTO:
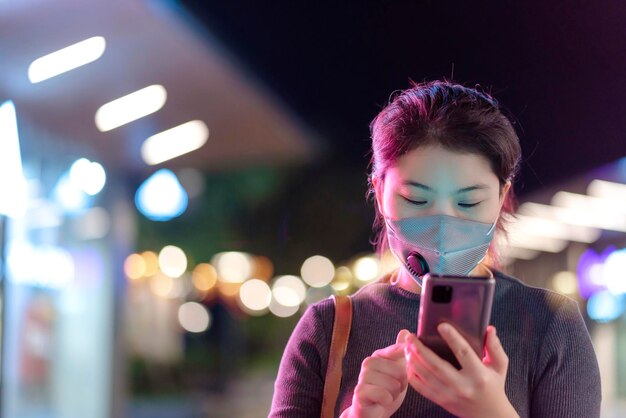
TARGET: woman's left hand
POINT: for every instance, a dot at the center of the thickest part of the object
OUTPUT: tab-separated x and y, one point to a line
474	391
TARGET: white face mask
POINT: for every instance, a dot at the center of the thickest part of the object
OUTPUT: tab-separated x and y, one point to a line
439	244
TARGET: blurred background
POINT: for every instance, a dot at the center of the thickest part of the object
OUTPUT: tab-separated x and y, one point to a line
180	179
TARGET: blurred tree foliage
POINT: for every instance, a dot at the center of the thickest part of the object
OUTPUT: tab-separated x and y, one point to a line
287	214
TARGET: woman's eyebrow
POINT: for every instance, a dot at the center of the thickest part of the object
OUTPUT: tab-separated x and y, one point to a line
416	184
479	186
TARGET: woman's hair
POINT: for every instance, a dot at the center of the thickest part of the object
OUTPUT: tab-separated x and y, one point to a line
450	115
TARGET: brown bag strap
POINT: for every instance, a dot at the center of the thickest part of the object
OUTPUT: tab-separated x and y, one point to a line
338	345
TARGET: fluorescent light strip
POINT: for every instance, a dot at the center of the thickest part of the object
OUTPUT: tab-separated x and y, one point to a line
130	107
66	59
13	189
592	203
174	142
575	216
553	229
526	241
615	192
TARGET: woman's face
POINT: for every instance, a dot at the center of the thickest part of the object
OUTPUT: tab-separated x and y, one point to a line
431	180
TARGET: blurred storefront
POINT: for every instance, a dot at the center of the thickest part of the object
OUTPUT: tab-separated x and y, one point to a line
63	239
571	238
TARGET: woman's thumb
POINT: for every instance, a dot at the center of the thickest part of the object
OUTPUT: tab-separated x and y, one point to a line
402	336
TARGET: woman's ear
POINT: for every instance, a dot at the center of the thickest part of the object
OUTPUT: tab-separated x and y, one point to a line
505	190
378	183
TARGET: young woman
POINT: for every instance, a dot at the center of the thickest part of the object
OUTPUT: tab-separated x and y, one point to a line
444	159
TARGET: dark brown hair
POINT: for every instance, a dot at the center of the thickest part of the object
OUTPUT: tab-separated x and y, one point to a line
453	116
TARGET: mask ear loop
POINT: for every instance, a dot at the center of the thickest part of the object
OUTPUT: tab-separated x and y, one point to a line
492	227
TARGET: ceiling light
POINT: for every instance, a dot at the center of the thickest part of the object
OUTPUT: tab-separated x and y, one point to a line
66	59
131	107
174	142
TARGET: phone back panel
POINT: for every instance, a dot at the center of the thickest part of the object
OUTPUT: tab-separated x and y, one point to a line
468	310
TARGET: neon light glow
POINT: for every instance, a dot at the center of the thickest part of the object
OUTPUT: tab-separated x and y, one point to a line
590	272
605	306
66	59
161	196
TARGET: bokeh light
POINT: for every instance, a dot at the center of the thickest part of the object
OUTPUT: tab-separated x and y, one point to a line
161	196
605	306
366	269
615	272
134	266
232	266
255	296
565	282
590	272
152	263
343	280
204	277
161	285
282	311
194	317
69	196
172	261
289	291
88	176
317	271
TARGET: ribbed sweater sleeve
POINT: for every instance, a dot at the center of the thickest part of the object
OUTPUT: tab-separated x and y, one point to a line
299	385
568	385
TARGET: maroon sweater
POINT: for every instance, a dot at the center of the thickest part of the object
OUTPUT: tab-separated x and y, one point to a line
553	371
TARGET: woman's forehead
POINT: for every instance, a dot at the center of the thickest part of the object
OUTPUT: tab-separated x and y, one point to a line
437	167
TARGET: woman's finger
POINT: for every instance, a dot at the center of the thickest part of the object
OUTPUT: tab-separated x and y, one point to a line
384	380
496	356
373	394
463	352
444	371
427	371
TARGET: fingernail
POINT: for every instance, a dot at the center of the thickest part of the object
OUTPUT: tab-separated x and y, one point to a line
444	328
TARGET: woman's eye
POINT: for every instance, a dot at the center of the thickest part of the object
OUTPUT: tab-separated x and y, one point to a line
468	205
415	202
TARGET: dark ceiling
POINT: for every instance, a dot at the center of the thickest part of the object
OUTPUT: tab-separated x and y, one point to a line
557	66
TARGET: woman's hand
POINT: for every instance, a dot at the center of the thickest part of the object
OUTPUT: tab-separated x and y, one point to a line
475	391
382	382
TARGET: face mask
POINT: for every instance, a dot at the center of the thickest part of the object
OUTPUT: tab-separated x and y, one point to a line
439	244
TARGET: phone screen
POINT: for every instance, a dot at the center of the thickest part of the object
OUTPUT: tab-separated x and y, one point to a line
462	301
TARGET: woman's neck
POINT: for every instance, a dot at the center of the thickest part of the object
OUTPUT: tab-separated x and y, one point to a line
403	278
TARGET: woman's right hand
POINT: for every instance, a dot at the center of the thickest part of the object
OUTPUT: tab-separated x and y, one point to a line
382	383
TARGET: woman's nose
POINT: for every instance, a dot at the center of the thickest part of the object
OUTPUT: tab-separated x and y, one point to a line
444	207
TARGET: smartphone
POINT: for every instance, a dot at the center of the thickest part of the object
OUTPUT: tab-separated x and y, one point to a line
463	302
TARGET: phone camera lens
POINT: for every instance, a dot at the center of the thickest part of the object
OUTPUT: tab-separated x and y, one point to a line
442	294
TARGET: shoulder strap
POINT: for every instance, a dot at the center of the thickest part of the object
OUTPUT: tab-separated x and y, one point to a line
338	345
